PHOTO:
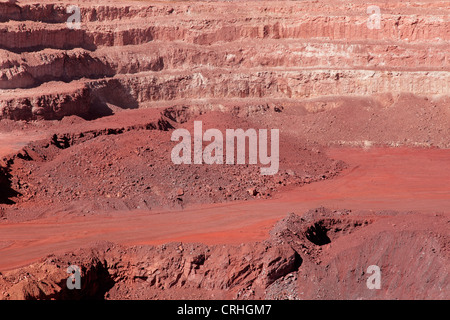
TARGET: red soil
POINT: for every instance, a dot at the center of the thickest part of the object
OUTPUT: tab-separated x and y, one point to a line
377	179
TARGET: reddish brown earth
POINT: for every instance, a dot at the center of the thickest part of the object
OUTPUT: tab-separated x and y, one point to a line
86	177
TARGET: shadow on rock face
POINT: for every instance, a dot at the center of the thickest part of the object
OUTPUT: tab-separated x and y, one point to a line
96	282
108	97
317	234
6	192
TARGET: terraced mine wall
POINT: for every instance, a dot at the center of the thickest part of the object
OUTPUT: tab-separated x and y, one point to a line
128	55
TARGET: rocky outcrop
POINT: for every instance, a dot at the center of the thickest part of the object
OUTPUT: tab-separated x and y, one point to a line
55	103
304	255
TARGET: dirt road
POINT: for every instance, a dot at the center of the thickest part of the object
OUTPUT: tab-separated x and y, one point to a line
377	179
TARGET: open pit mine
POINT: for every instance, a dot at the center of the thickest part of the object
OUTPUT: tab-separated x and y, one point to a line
106	193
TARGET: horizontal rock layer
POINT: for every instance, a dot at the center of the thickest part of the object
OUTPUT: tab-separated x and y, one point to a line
165	51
